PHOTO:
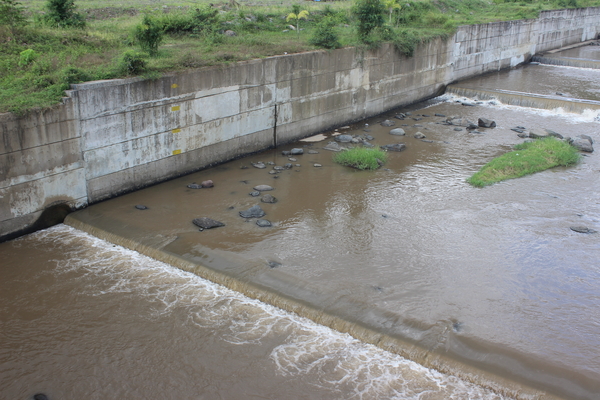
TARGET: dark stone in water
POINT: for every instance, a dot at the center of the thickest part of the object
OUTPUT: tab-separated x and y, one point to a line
400	116
255	193
141	207
518	129
343	138
457	326
253	212
582	229
426	141
263	223
207	223
274	264
394	147
397	132
259	165
388	122
486	123
554	134
458	129
267	198
296	152
194	186
40	396
439	115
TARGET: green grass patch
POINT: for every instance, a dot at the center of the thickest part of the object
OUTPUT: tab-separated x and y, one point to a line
526	159
361	158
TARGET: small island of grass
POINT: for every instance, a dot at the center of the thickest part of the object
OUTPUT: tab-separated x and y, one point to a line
526	159
361	158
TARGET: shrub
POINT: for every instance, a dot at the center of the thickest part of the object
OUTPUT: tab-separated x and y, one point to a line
11	14
26	57
370	17
62	14
361	158
149	34
132	62
325	35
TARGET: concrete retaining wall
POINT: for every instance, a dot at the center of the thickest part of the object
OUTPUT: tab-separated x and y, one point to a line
111	137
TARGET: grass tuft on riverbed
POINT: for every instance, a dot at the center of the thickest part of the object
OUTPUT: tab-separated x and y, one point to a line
361	158
526	159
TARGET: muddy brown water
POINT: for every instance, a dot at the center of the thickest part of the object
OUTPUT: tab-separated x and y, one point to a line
493	278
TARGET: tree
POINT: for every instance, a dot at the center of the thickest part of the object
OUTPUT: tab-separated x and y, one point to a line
297	16
149	34
370	17
391	5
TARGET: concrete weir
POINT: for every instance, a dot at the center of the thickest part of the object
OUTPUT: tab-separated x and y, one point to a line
112	137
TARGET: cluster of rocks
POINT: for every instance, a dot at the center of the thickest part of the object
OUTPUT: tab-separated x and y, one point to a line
582	142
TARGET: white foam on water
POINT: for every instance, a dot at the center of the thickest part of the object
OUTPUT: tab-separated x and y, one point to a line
588	115
323	357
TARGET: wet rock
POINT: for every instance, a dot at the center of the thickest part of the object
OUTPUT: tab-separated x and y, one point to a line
582	144
278	168
253	212
255	193
292	159
426	141
207	184
537	134
397	132
263	223
207	223
194	186
244	167
296	151
486	123
367	144
343	138
419	135
582	229
333	146
458	129
388	122
287	166
417	118
313	152
259	165
400	116
298	165
471	126
355	141
425	115
141	207
267	198
263	188
273	172
369	137
518	129
439	115
379	162
554	134
587	137
523	135
468	104
394	147
286	152
417	126
270	163
317	165
274	264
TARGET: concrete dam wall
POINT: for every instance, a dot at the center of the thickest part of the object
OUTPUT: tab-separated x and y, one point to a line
111	137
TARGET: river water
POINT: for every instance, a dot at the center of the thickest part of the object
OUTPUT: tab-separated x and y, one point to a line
492	278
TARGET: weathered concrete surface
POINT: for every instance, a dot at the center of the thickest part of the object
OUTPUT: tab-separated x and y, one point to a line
111	137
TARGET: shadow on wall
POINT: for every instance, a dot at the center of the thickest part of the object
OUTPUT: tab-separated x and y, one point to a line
53	215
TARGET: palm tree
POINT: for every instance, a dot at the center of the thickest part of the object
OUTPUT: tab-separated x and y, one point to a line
301	15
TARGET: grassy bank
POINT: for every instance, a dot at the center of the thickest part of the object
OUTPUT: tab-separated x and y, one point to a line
38	60
526	159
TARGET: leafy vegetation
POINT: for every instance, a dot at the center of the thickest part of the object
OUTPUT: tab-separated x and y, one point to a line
97	40
526	159
361	158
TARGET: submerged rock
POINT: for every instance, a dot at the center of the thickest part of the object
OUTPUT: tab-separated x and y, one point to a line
194	186
582	229
255	193
259	165
274	264
267	198
253	212
343	138
141	207
333	146
420	135
397	132
263	223
296	152
263	188
388	122
394	147
207	223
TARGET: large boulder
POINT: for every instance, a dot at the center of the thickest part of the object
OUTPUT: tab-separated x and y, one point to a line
486	123
583	144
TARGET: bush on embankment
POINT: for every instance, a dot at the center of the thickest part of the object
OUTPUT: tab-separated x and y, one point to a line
526	159
76	42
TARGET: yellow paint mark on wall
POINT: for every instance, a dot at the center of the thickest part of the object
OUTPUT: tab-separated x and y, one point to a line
176	130
174	86
175	152
175	108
